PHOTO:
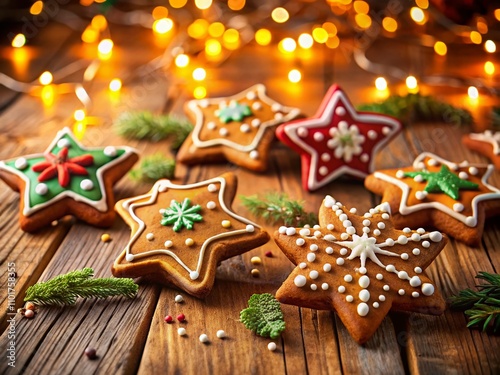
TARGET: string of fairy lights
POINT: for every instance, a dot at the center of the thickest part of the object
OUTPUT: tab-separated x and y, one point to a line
205	34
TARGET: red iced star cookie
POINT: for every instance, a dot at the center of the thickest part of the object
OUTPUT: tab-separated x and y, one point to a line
486	143
337	140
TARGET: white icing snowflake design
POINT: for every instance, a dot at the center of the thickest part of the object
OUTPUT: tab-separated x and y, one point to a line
346	141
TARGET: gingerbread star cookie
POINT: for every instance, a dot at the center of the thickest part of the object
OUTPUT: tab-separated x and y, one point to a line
486	143
238	129
67	179
337	140
454	198
180	233
360	266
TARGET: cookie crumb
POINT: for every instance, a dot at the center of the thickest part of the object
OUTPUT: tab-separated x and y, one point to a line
271	346
105	237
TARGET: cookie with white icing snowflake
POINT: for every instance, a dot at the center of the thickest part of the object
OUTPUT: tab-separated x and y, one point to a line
238	129
338	140
67	179
454	198
180	233
360	266
486	143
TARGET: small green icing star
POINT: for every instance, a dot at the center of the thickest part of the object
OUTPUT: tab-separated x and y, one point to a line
443	181
181	215
234	112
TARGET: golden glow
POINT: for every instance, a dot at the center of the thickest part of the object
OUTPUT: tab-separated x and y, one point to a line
79	115
305	40
424	4
198	29
46	78
364	21
294	76
330	28
99	22
418	15
490	46
333	42
489	68
115	85
361	7
203	4
381	83
36	8
90	35
212	47
182	60
390	24
216	29
47	95
199	74
19	41
163	25
475	37
440	48
280	15
236	4
481	25
411	82
287	45
263	37
159	12
231	39
472	92
105	46
177	3
199	92
497	14
320	35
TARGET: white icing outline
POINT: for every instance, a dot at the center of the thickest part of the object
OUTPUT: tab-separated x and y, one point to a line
488	138
405	188
195	106
325	121
100	205
129	205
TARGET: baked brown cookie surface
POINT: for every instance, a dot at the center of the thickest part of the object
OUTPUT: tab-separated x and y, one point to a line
180	233
67	179
360	266
238	129
454	198
486	143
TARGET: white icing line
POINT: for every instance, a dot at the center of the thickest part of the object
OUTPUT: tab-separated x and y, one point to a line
194	105
488	138
99	205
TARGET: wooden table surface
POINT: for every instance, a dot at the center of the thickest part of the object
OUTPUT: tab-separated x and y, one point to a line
130	335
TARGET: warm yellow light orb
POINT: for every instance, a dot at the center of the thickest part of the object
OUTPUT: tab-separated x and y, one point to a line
411	82
280	15
79	115
440	48
99	22
333	42
287	45
163	25
490	46
263	37
305	40
199	74
472	92
320	35
115	85
294	76
424	4
46	78
203	4
216	29
177	3
90	35
364	21
36	8
489	68
330	28
231	36
236	4
497	14
390	24
198	29
381	83
159	12
182	60
475	37
213	47
418	15
199	92
361	7
19	41
105	46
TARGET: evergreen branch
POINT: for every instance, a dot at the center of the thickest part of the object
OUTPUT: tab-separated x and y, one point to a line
65	289
154	167
417	107
277	207
147	126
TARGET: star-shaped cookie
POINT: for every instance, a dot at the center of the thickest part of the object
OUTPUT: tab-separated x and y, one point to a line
67	179
238	129
454	198
486	143
180	233
337	140
360	266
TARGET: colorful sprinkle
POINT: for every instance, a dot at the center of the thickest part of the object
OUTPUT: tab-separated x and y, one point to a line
105	237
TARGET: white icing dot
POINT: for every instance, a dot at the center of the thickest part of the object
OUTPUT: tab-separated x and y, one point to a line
325	157
271	346
432	162
381	298
251	95
389	242
324	286
211	205
257	106
473	171
386	287
311	257
244	128
463	175
41	189
350	230
302	132
362	270
278	116
353	210
255	122
421	165
376	305
150	236
300	241
366	222
340	111
161	211
330	227
282	229
313	247
363	308
168	244
400	174
203	103
86	184
342	217
406	230
403	275
300	281
211	125
418	178
390	268
470	221
420	230
212	188
254	154
458	207
367	215
343	251
21	163
386	216
302	265
250	228
347	278
189	242
290	231
314	287
364	295
404	256
323	171
340	261
402	240
381	225
415	281
344	236
129	257
420	195
401	292
223	132
329	237
110	151
220	334
435	236
318	234
415	294
372	134
417	270
416	251
276	107
426	244
376	232
415	237
178	298
304	232
327	267
386	130
341	289
314	274
181	331
427	289
364	281
349	298
318	136
203	338
329	250
366	230
379	276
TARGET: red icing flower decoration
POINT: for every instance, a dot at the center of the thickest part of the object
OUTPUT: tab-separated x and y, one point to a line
63	167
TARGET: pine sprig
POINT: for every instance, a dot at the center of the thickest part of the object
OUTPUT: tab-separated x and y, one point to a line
263	316
482	307
277	207
154	167
417	107
148	126
65	289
